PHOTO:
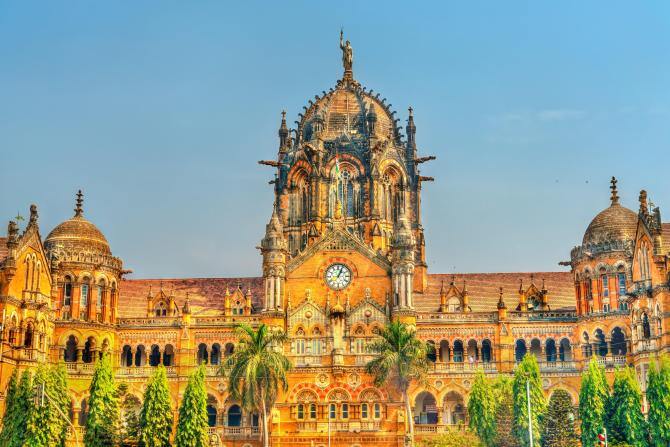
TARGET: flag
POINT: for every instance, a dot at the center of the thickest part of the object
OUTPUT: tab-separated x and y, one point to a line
337	166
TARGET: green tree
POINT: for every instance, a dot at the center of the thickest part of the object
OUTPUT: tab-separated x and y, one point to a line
559	422
257	370
401	358
593	397
10	402
482	409
103	415
453	438
47	420
156	414
130	417
17	423
625	421
528	371
504	416
658	397
192	425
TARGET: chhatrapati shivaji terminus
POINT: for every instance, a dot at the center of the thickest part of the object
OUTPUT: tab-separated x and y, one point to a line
343	255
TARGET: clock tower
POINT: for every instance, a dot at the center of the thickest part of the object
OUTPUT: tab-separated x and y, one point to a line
346	225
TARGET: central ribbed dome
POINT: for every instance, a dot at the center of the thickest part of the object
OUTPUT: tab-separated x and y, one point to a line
345	110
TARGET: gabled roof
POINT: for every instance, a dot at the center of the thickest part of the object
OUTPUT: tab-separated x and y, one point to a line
484	289
206	295
338	239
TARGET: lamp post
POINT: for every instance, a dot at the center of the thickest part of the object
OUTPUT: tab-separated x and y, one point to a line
530	419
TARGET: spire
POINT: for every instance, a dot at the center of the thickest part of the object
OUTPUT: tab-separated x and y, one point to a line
283	133
78	209
644	210
33	215
501	301
615	196
187	305
411	129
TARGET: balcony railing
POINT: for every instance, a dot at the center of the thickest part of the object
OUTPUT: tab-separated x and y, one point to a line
234	432
464	366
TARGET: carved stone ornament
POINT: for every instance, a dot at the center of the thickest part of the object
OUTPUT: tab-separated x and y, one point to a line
322	380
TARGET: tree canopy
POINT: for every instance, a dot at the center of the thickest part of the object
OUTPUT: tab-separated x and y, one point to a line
593	397
192	424
528	371
156	414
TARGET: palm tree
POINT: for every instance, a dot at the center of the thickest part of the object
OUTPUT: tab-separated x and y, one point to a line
400	358
257	370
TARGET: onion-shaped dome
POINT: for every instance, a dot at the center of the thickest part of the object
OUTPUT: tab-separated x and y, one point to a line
615	223
77	234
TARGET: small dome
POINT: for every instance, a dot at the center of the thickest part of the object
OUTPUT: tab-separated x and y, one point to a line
613	223
77	234
616	223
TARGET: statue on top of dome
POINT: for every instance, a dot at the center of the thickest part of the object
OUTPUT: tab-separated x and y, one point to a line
347	53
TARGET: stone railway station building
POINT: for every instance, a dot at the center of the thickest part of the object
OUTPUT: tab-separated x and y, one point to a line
342	255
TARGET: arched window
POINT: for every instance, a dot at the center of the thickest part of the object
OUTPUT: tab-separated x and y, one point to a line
28	337
87	354
473	351
454	304
621	283
140	356
391	194
155	356
161	309
83	413
586	347
520	350
444	351
67	291
345	410
458	351
486	351
601	342
71	349
168	355
332	411
312	411
565	350
536	348
646	327
364	411
425	409
550	350
234	416
618	342
211	415
377	408
228	349
301	411
215	358
432	355
99	299
203	356
83	300
127	356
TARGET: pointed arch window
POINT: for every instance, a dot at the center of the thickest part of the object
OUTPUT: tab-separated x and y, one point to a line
67	291
83	301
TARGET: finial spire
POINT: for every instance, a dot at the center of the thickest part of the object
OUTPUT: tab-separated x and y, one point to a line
615	196
78	209
501	301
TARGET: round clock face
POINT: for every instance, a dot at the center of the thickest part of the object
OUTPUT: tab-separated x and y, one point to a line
338	276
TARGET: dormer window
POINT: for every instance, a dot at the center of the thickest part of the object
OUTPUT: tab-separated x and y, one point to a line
454	304
161	309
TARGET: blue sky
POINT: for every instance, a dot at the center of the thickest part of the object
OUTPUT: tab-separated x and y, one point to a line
160	110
